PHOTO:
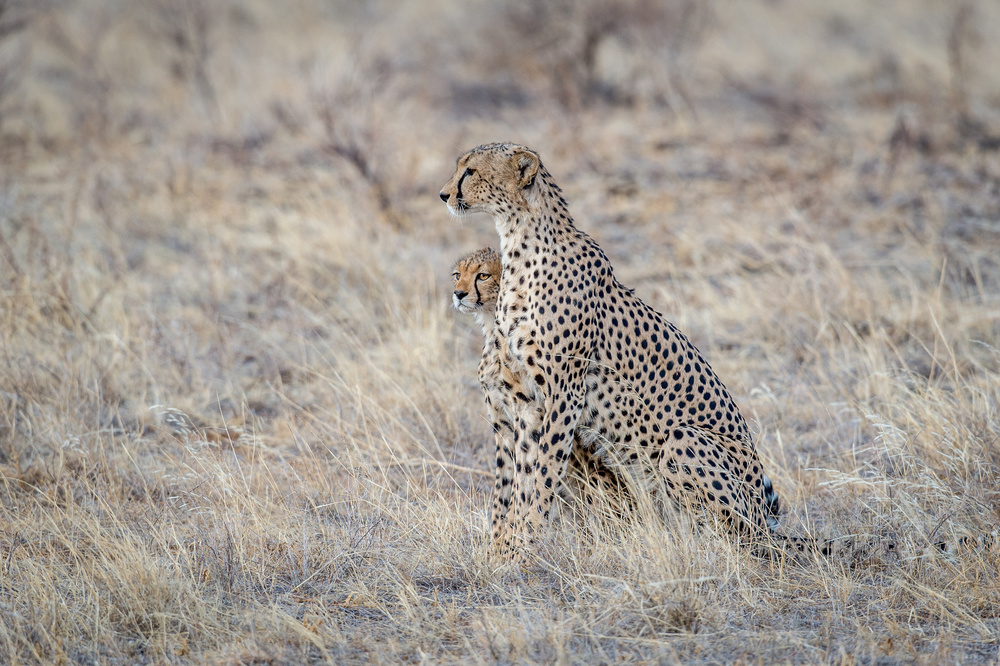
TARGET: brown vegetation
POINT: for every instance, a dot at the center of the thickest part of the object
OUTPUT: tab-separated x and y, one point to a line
240	424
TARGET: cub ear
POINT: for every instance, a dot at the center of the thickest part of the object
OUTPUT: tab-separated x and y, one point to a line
526	163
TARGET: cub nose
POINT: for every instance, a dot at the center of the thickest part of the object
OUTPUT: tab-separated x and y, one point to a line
444	197
461	294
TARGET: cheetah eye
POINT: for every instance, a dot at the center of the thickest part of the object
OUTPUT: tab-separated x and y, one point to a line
469	171
455	276
483	276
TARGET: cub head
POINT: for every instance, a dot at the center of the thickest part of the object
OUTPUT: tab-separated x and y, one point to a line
491	179
477	281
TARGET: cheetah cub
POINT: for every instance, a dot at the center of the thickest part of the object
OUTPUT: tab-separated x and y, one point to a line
476	279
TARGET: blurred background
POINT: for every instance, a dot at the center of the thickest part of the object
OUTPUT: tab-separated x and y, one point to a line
393	89
168	159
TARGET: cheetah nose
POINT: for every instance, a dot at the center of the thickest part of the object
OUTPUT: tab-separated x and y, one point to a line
461	294
444	197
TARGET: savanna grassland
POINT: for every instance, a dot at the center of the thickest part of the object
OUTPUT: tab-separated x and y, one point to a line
239	422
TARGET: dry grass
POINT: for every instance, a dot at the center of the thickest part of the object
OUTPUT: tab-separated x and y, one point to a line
230	209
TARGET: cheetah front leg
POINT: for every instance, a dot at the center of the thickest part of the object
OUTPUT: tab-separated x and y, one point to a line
509	533
499	412
501	523
555	446
545	433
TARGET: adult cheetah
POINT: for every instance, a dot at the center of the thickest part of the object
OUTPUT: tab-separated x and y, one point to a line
476	279
594	361
592	366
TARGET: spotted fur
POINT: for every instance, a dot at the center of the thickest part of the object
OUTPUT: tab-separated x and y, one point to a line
476	278
584	363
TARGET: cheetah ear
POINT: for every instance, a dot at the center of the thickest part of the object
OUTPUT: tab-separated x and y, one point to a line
526	163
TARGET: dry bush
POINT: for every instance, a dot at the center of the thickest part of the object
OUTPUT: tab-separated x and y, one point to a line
577	53
186	32
15	53
239	422
13	19
352	105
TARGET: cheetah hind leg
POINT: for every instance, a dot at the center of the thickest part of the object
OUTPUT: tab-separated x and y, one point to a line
704	469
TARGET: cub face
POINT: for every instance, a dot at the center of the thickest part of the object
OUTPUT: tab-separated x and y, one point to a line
477	281
490	177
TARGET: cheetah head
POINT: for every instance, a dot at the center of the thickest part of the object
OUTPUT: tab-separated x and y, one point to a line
477	281
491	179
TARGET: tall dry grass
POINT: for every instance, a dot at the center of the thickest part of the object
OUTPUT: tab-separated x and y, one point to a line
239	423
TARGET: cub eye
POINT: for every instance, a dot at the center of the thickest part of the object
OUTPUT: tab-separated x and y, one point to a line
455	276
483	276
470	171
